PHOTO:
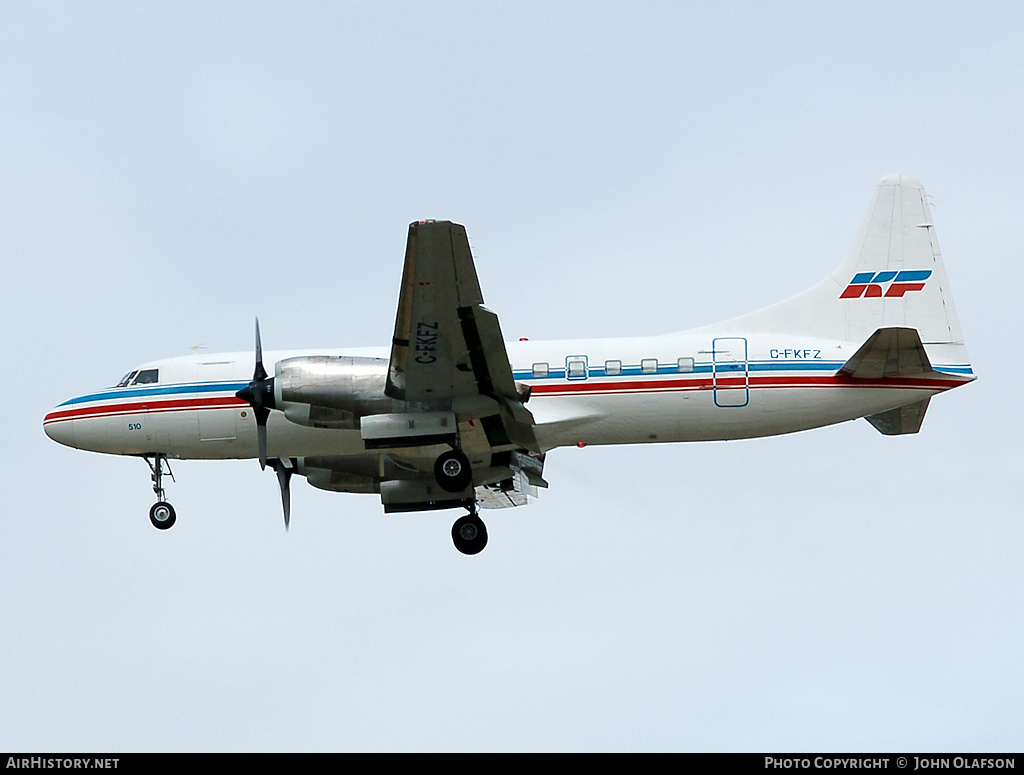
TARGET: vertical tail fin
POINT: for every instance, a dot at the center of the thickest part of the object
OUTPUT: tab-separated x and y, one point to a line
893	276
896	260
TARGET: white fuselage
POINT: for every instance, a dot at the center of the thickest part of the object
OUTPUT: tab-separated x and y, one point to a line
691	386
450	416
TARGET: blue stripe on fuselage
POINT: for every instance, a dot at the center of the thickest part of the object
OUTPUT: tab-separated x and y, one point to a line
158	391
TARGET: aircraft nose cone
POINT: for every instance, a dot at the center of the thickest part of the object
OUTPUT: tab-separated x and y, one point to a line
60	430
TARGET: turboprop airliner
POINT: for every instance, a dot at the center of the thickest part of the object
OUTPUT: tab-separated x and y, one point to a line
452	416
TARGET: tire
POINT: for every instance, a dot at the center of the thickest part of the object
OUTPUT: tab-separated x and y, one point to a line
469	534
162	515
452	471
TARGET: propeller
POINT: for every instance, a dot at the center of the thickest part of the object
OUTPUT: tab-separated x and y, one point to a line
284	475
259	394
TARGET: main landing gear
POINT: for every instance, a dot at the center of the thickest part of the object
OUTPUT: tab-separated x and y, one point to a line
454	474
469	533
452	471
162	513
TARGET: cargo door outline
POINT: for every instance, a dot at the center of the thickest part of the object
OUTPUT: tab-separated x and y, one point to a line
215	425
730	375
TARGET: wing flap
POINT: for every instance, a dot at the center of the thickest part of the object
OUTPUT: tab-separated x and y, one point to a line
487	354
517	489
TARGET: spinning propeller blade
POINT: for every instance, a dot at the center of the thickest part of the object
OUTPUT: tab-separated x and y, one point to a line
284	475
259	393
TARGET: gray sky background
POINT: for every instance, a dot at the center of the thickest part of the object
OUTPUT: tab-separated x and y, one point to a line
170	171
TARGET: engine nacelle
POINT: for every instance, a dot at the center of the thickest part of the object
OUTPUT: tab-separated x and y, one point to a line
326	391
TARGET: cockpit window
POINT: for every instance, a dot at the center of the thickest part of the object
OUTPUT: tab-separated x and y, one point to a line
127	379
147	377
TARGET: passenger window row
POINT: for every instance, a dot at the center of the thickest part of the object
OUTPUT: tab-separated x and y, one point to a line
576	368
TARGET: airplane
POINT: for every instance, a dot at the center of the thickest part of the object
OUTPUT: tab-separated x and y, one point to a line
452	416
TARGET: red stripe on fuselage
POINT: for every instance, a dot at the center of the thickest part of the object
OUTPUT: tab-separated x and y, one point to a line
143	407
754	382
562	389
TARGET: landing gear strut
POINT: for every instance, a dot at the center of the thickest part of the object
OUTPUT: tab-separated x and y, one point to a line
454	474
162	513
469	533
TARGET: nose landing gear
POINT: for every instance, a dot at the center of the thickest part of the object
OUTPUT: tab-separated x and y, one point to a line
161	514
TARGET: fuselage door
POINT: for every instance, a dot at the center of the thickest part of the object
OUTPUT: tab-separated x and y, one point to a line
730	376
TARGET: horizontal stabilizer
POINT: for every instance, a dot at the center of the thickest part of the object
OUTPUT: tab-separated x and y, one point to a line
893	352
902	419
889	352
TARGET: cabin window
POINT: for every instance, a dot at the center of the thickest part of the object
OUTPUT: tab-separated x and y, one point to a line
540	370
612	368
685	364
147	377
576	368
649	365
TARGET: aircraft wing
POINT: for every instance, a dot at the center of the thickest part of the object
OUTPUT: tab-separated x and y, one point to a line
447	352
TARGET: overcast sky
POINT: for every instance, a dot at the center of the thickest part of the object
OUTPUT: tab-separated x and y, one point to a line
168	171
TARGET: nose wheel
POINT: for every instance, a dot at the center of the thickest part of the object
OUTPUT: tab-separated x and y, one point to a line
161	513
